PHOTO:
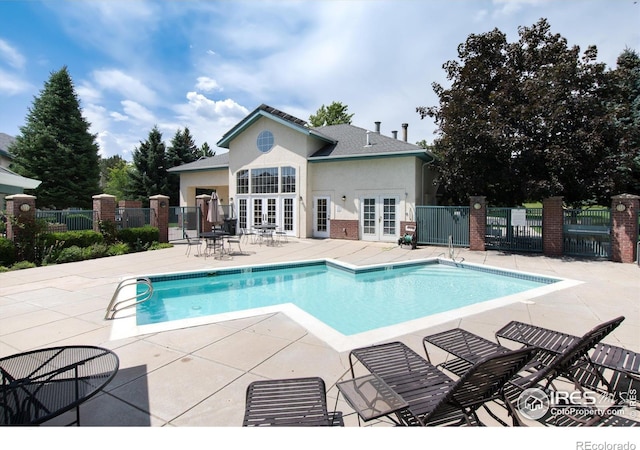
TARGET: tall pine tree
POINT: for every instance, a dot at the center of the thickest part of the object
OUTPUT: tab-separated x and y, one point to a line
182	150
150	175
55	146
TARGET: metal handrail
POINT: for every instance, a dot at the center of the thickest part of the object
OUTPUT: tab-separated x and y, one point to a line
112	309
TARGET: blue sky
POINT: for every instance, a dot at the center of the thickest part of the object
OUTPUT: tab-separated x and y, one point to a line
205	65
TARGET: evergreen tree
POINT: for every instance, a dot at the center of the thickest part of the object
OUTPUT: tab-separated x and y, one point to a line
182	150
55	147
334	114
106	164
206	152
150	175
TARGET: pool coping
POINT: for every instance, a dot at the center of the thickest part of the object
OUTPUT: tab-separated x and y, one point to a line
124	325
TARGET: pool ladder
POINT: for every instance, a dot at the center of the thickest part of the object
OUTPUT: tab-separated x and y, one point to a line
114	307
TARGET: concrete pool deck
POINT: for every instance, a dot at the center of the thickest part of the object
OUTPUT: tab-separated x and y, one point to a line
198	376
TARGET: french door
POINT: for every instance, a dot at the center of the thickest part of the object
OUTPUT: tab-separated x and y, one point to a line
321	216
280	210
379	218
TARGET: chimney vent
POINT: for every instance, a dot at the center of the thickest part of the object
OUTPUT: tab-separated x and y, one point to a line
377	127
368	142
404	131
395	134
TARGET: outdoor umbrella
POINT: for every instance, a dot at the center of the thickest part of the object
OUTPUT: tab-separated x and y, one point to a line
215	213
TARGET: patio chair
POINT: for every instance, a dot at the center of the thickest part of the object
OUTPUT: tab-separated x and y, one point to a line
433	397
608	369
192	242
289	402
235	240
570	361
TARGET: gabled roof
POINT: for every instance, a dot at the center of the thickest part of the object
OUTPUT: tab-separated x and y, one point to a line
272	113
214	162
355	142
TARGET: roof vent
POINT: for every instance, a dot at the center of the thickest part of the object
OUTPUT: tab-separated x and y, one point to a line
404	131
377	127
368	142
395	134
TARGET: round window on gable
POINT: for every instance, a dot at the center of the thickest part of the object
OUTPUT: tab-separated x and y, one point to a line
265	141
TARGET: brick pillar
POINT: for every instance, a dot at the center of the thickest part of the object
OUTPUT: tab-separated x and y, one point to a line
104	206
202	203
552	226
624	227
20	206
159	205
477	223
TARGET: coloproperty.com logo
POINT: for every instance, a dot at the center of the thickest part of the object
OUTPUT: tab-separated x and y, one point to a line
534	403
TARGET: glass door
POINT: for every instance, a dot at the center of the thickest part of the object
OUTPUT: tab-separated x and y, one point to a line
379	218
321	216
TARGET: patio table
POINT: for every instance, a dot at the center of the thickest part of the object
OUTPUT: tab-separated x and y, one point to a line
41	384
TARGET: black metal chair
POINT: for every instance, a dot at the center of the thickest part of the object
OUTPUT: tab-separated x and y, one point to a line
433	397
289	402
192	242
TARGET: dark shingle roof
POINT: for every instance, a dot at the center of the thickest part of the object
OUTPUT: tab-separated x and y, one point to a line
351	142
214	162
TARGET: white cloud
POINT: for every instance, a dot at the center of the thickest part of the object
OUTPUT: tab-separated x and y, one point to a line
12	84
118	117
138	112
207	84
11	56
125	85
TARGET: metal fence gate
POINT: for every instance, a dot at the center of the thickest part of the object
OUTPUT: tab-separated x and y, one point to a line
587	232
514	229
443	225
183	220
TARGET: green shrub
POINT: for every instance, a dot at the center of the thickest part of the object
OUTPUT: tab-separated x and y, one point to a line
118	249
84	238
22	265
95	251
4	269
140	238
70	254
7	252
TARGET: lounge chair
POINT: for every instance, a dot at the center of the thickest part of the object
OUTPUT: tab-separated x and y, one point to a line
289	402
433	397
612	370
570	360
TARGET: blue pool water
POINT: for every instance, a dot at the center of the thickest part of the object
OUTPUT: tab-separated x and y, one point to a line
349	301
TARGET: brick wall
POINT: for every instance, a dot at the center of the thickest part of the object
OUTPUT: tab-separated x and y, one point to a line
344	229
477	223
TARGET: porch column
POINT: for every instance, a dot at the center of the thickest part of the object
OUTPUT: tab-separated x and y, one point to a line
159	205
477	222
624	227
552	226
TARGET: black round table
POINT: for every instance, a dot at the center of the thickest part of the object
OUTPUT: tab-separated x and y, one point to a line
40	384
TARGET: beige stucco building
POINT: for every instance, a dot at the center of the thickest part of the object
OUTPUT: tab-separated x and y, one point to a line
338	181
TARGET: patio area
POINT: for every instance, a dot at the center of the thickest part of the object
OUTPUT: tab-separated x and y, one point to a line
197	377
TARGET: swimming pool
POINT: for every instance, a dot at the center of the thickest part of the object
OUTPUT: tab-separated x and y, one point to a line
340	303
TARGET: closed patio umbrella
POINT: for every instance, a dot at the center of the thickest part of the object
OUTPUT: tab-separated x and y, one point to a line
215	214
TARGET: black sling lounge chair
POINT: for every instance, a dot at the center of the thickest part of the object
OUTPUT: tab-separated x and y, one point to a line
564	356
433	397
609	369
289	403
